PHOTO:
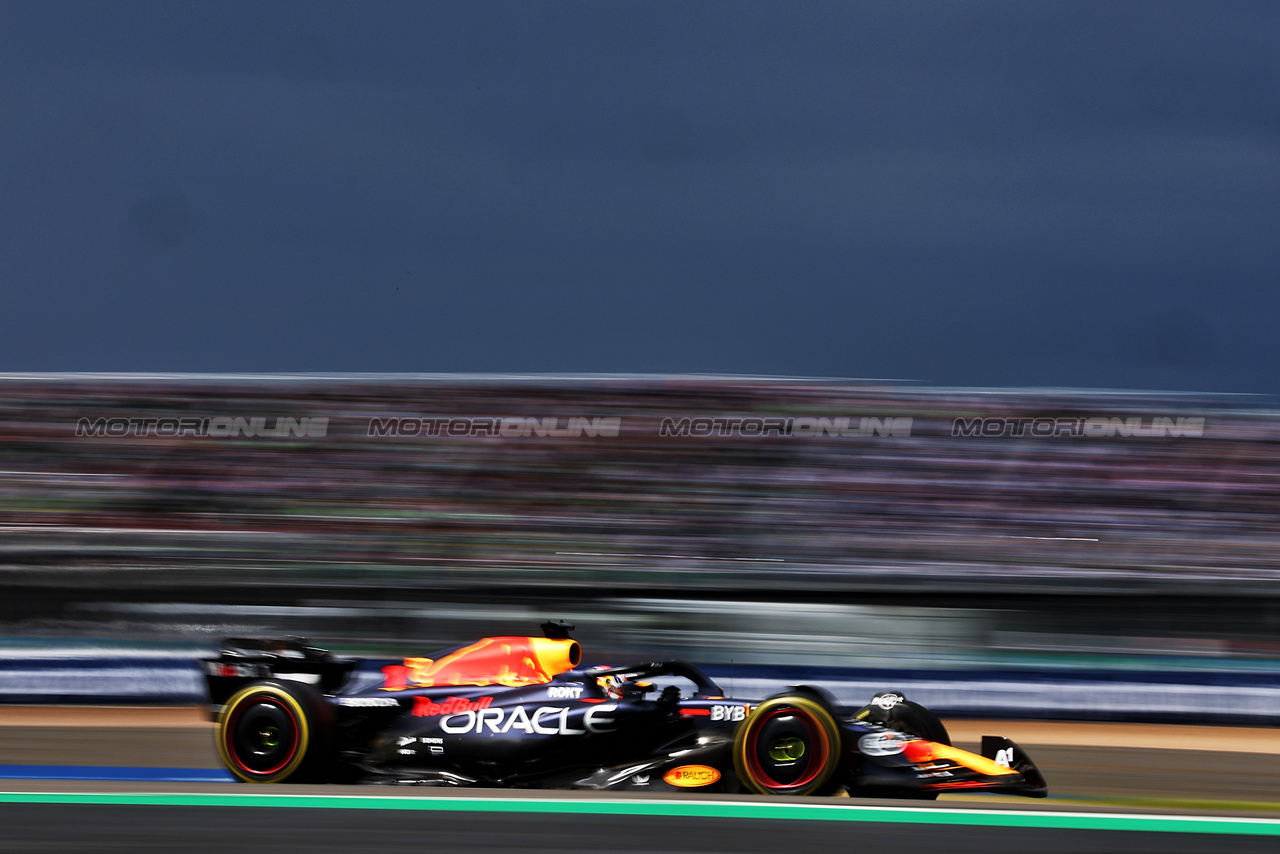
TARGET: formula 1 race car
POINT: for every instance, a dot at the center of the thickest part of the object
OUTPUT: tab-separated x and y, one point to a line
524	712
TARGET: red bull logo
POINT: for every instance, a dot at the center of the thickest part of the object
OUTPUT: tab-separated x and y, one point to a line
507	661
425	707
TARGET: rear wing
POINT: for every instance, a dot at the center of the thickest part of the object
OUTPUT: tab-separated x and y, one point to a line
244	660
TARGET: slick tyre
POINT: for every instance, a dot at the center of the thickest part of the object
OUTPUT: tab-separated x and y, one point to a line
789	745
274	732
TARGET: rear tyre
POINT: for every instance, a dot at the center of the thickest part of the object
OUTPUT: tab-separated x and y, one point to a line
789	745
274	732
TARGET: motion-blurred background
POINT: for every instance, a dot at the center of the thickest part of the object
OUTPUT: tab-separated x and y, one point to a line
1056	554
988	194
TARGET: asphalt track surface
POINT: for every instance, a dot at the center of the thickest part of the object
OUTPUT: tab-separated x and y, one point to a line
1115	789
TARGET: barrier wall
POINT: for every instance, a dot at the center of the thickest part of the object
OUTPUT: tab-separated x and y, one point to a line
1170	696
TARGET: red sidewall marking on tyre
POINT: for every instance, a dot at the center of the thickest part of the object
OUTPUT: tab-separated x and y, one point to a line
816	733
230	737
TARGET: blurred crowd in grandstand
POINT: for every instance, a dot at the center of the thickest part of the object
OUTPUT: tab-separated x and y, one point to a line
923	508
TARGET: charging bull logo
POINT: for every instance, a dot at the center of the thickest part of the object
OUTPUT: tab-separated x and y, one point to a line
508	661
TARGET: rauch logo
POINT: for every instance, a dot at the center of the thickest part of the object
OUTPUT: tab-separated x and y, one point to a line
691	776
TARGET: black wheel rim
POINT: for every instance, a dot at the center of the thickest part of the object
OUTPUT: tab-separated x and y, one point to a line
786	749
263	736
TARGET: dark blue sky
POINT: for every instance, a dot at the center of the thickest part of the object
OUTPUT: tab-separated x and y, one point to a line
1023	193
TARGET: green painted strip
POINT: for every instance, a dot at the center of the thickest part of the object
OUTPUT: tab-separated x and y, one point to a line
695	809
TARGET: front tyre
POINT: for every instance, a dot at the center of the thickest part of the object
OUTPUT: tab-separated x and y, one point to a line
273	732
789	745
